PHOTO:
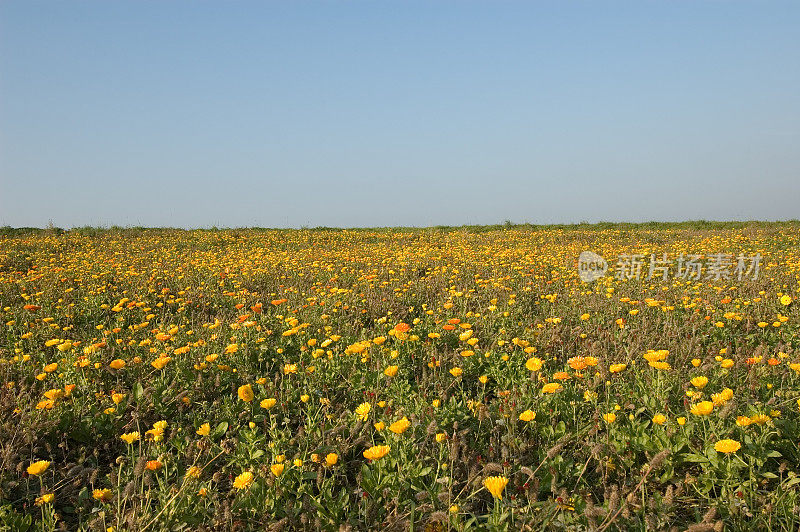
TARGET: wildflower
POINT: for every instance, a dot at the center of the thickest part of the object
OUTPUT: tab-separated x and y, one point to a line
362	411
277	469
39	467
743	421
379	426
441	437
610	417
400	426
696	362
456	372
331	459
102	495
551	387
193	472
243	481
245	393
117	364
703	408
130	437
154	465
786	300
659	419
391	371
534	364
297	462
47	498
617	368
289	368
376	452
204	430
727	446
268	403
699	382
495	486
527	415
681	421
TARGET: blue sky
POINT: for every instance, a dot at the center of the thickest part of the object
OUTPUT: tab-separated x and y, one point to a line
285	114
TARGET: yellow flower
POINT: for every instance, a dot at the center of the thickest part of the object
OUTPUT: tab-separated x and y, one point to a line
617	368
376	452
193	472
37	468
362	411
130	437
659	419
117	364
495	486
379	426
400	426
154	465
297	462
331	459
551	387
743	421
534	364
441	437
610	417
391	371
703	408
699	382
696	362
456	372
681	421
102	495
289	368
268	403
243	481
786	300
727	446
527	415
727	363
277	469
204	430
246	393
47	498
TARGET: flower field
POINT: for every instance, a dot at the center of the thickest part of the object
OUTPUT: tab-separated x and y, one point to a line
434	379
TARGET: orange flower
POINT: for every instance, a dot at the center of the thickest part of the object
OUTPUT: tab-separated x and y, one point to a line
154	465
402	327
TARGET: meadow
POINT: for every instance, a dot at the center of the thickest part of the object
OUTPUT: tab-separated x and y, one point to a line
399	379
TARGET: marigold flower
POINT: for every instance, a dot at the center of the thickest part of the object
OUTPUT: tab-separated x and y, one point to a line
243	481
727	446
331	459
786	300
204	430
102	495
117	364
534	364
659	419
703	408
391	371
268	403
245	393
130	437
376	452
362	411
699	382
456	372
527	415
551	387
400	426
39	467
617	368
277	469
154	465
495	486
610	417
47	498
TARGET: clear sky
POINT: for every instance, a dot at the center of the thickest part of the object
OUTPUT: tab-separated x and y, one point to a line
284	114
